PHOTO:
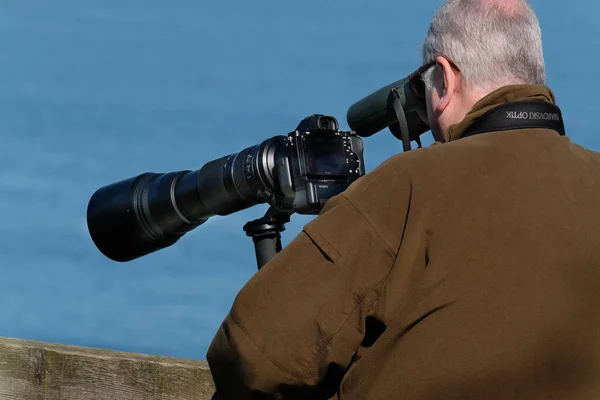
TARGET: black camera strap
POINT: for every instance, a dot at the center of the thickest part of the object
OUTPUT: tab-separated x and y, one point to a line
403	132
519	115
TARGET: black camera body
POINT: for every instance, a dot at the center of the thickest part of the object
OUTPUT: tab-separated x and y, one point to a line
321	162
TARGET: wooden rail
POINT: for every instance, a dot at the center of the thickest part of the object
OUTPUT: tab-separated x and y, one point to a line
44	371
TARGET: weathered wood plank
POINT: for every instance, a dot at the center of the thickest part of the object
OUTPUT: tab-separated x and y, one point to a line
43	371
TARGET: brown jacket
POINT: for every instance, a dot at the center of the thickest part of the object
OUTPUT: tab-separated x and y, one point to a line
466	270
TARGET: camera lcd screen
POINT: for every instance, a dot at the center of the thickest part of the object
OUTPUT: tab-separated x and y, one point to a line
325	157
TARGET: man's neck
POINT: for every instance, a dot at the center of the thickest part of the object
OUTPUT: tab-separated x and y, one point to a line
505	94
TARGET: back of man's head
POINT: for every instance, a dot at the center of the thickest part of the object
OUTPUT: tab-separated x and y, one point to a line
493	42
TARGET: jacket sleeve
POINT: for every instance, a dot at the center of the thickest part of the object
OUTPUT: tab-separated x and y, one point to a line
295	326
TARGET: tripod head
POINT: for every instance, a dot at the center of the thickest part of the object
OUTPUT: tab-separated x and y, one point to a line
266	234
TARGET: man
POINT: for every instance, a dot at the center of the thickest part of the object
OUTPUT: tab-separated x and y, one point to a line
465	270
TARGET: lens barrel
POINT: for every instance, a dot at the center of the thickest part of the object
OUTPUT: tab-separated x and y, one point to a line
149	212
374	112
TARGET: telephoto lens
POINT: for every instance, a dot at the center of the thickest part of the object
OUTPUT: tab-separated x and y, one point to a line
149	212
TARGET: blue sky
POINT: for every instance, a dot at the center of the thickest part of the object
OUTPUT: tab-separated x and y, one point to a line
95	91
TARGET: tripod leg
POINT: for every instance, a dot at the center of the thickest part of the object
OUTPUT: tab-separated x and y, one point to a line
266	246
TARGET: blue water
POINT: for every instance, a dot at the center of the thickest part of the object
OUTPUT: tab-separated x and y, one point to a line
95	91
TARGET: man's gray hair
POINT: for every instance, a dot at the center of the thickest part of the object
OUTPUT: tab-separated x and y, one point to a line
494	43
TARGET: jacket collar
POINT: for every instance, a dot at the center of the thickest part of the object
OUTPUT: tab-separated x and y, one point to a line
506	94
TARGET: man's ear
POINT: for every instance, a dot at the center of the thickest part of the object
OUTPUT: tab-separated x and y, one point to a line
450	82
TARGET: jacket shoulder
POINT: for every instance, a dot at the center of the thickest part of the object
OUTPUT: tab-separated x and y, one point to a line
431	161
